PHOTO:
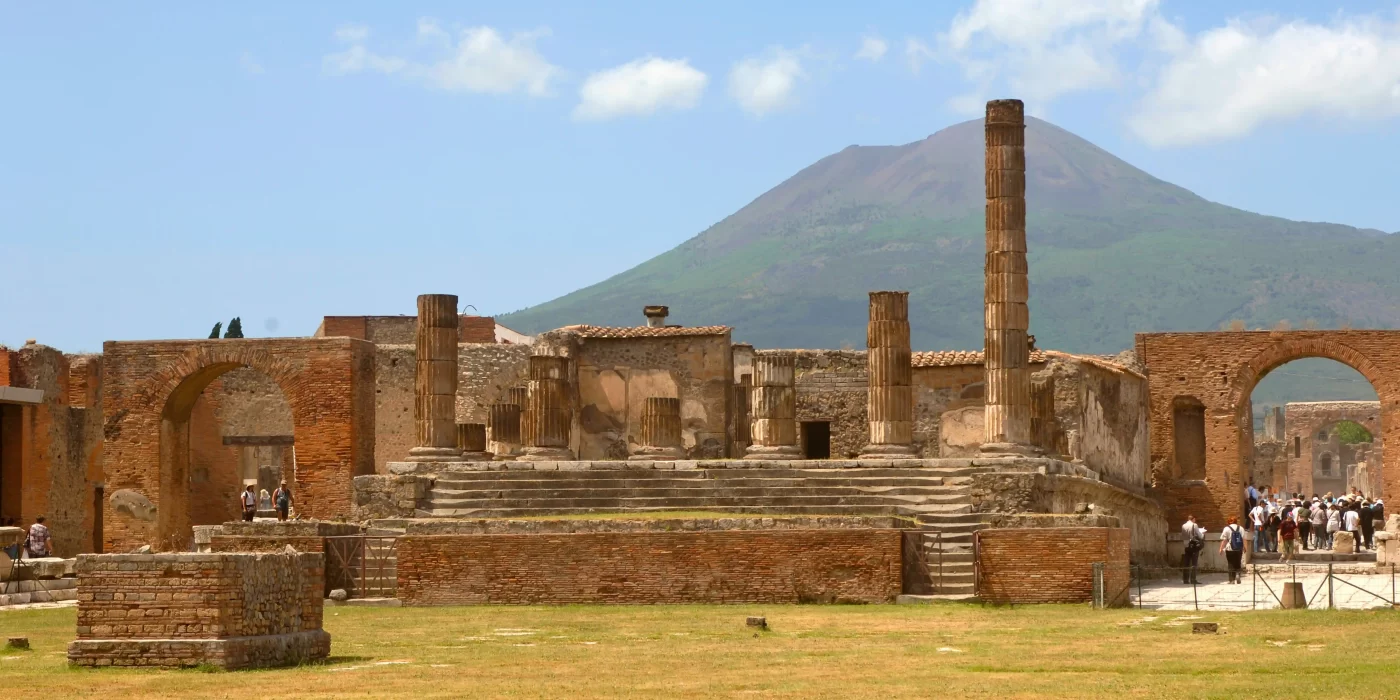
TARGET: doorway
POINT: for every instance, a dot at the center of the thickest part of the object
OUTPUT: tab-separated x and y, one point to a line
816	439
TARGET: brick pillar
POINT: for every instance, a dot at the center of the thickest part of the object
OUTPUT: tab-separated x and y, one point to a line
471	440
545	422
1008	411
503	426
660	430
774	407
890	401
435	400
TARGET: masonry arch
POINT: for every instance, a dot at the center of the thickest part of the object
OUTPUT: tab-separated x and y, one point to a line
151	392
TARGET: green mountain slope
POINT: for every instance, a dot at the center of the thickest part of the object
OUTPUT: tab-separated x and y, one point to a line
1113	251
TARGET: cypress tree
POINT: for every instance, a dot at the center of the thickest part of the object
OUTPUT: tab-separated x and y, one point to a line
215	333
235	328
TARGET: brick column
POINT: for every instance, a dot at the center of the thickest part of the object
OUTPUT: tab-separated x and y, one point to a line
435	400
545	422
503	426
471	440
774	408
1008	411
890	402
660	430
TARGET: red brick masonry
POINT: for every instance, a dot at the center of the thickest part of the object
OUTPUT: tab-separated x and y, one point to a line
738	566
1052	564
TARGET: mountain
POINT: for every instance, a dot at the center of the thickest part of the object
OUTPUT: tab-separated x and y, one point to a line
1112	251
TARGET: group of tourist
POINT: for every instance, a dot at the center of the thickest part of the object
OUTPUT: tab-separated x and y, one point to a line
281	499
38	541
1311	522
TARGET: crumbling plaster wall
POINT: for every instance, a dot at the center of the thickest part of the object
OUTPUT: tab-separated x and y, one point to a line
1103	413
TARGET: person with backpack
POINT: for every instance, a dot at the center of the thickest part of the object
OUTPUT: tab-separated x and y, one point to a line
282	500
1193	538
39	543
249	503
1232	546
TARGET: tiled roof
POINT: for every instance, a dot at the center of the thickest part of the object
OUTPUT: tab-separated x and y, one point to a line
956	358
646	331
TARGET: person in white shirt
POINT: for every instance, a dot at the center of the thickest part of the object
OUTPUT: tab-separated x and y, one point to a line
1193	540
1319	526
1257	517
249	501
1232	546
1351	522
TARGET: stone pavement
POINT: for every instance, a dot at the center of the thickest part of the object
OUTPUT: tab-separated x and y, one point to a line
1349	591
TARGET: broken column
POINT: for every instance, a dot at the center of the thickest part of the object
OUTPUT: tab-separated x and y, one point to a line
503	427
1008	407
890	402
471	440
660	430
545	422
435	400
773	405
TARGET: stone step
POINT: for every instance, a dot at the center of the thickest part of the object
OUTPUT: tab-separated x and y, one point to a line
936	598
594	484
699	474
912	493
686	502
737	510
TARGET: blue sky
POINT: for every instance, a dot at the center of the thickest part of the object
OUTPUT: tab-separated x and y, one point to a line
168	165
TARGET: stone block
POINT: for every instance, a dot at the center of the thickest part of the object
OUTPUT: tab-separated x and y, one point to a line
637	464
572	466
1343	543
668	465
1205	627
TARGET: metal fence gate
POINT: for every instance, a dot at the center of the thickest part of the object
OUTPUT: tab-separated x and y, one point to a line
366	566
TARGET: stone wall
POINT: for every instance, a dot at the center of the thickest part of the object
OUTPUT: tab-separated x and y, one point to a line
938	390
243	403
272	536
834	386
1304	424
484	373
760	566
228	610
1102	410
51	452
500	526
1052	565
391	495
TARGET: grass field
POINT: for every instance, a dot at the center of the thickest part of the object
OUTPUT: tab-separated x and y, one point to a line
809	652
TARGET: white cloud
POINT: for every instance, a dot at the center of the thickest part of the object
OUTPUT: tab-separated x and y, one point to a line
250	64
640	87
915	53
872	48
1046	48
480	60
1226	81
352	33
766	84
971	105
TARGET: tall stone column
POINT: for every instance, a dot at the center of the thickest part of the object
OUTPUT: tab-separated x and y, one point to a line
545	422
773	405
1008	411
503	424
660	430
471	440
890	402
435	399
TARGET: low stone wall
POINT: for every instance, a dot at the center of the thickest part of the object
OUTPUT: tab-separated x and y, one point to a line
229	610
44	580
1051	564
273	536
1034	492
523	527
735	566
380	496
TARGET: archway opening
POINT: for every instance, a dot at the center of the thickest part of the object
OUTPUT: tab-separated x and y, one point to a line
223	428
1316	427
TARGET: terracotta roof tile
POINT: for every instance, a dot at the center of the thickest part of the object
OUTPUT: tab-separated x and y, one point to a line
956	358
646	331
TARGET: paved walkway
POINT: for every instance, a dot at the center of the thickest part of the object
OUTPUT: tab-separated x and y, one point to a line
1348	591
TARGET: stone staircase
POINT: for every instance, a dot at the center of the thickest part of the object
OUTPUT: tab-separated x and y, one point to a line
937	498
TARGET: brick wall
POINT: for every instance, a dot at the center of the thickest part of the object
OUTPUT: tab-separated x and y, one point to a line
1050	565
476	329
786	566
129	605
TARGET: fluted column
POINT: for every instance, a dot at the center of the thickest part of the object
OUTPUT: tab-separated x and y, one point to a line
471	440
545	422
1008	411
503	428
660	430
434	408
890	402
773	404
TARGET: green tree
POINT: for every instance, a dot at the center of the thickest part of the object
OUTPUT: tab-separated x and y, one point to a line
235	328
215	333
1351	432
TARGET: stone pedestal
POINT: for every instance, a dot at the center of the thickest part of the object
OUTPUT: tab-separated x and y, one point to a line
503	431
890	402
435	397
471	440
1293	595
1343	543
660	430
547	417
1008	408
773	405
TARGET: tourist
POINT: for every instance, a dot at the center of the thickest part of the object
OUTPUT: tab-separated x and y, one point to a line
1378	515
1271	525
1251	497
1303	517
1232	546
1351	522
282	499
1319	525
264	500
249	501
1287	531
1368	525
39	543
1193	539
1258	516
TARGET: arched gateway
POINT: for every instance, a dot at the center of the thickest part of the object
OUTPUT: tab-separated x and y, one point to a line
1219	371
149	389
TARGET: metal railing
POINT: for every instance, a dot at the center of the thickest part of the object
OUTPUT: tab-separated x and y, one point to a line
922	576
365	566
1110	590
